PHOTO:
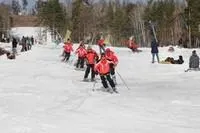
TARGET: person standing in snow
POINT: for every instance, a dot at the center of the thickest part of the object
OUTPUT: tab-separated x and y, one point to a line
32	40
103	69
101	45
67	50
23	42
81	51
14	45
194	60
91	58
154	50
112	57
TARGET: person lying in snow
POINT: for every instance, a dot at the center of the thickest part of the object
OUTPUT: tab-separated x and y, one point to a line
170	60
8	54
131	44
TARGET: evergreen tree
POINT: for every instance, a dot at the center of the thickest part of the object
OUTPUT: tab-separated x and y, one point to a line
53	15
15	7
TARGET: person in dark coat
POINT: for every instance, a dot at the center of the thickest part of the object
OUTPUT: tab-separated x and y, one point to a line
14	45
179	61
194	60
154	50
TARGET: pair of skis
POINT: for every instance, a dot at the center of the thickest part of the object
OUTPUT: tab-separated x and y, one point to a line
109	90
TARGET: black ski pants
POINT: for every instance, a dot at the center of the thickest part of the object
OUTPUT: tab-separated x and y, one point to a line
87	71
66	57
80	62
105	78
112	69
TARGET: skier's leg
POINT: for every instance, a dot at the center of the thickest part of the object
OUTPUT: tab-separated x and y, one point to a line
110	81
67	56
103	81
112	72
157	57
82	62
87	71
78	62
153	56
92	72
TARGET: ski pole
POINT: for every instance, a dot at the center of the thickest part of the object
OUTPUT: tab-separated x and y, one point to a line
123	80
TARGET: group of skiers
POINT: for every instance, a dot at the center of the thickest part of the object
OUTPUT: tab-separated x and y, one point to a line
106	61
103	63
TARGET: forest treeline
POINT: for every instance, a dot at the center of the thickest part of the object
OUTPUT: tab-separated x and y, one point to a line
176	22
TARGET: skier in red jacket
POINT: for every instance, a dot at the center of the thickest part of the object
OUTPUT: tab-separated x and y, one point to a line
110	55
81	51
103	69
133	45
91	58
67	50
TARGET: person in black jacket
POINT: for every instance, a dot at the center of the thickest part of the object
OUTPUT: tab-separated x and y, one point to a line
14	46
154	50
179	61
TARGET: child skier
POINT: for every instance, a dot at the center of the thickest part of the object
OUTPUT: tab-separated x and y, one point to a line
67	50
103	69
81	51
91	58
112	57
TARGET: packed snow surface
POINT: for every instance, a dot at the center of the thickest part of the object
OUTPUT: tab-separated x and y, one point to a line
41	94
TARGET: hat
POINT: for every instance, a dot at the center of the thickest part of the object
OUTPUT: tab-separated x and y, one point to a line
194	52
89	47
108	50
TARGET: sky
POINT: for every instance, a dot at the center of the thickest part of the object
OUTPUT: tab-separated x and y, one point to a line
41	94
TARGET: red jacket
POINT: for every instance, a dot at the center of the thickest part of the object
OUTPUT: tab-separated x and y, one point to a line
100	42
91	56
103	66
81	51
112	57
132	44
68	47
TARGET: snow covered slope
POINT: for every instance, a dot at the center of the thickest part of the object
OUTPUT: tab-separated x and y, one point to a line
40	94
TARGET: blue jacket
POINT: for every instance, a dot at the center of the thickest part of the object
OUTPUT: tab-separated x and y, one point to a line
154	47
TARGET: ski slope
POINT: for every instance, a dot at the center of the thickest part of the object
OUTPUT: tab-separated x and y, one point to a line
41	94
